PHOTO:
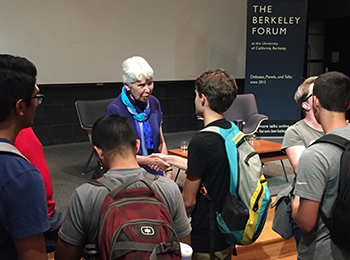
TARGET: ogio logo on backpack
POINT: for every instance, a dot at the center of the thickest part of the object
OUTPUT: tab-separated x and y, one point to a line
147	231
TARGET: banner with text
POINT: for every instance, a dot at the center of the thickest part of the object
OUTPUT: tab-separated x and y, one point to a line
275	55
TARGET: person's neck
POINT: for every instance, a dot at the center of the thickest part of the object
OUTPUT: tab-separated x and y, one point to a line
137	104
122	162
9	130
331	120
311	121
211	116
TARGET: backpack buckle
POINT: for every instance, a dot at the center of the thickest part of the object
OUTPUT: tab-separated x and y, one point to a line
203	191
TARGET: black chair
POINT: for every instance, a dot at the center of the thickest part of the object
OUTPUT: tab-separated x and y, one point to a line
88	112
244	112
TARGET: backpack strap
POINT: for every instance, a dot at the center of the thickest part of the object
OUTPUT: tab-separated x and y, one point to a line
337	140
131	181
103	181
165	247
344	179
237	136
107	183
233	131
344	144
115	189
9	148
212	220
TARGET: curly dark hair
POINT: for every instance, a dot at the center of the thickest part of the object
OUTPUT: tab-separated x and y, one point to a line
218	87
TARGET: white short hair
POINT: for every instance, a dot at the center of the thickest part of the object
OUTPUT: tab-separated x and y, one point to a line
133	67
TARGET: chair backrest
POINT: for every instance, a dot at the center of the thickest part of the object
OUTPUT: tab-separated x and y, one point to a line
244	108
90	110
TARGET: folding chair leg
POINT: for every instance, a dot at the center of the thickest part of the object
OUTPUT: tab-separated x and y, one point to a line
284	170
177	175
88	162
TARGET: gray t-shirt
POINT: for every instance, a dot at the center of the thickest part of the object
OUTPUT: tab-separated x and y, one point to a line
317	180
300	134
81	223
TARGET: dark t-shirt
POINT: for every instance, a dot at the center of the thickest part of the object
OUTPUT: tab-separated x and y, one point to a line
207	159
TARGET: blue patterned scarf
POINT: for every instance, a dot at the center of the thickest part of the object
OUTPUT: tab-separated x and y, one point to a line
142	125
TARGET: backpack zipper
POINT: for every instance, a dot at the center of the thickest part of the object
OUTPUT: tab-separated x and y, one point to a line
126	201
260	227
256	202
137	221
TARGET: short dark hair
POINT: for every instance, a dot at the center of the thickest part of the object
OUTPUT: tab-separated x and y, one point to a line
114	135
333	91
17	63
17	81
218	87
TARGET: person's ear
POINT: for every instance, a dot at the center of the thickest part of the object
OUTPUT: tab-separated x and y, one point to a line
127	87
203	99
20	105
316	102
100	153
306	106
138	144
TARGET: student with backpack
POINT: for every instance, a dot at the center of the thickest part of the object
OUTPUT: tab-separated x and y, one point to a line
29	145
208	163
23	207
225	192
296	139
319	175
116	147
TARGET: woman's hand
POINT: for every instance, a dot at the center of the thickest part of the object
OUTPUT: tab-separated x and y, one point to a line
173	160
160	156
156	162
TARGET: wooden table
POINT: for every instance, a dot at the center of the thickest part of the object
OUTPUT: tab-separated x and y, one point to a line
177	152
267	150
270	151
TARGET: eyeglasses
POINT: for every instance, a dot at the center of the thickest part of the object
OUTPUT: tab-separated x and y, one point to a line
307	97
39	98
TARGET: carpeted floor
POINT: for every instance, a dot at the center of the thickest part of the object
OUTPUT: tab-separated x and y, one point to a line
67	162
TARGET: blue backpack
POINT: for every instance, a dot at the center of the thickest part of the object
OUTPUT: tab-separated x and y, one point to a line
243	215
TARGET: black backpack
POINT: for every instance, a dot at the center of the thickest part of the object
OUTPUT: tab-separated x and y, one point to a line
339	221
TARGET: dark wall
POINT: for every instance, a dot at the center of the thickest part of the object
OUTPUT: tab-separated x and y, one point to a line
56	120
336	16
337	40
325	9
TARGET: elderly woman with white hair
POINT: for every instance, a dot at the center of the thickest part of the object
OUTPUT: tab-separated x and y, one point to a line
144	113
